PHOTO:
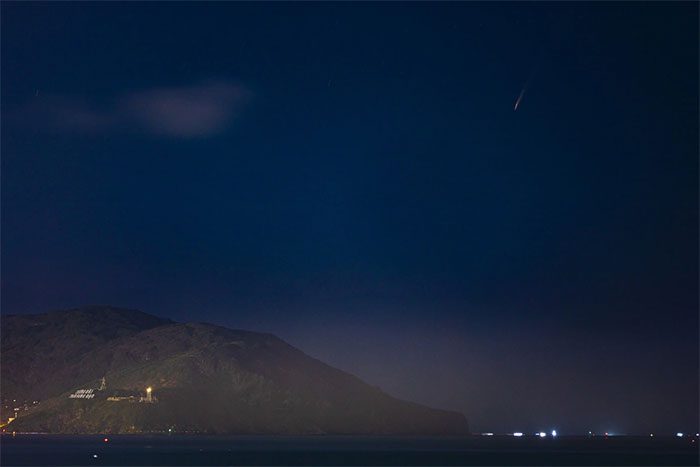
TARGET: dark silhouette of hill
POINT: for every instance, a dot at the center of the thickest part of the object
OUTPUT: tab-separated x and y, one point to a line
206	378
41	353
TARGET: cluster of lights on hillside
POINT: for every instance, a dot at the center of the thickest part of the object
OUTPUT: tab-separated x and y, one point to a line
519	434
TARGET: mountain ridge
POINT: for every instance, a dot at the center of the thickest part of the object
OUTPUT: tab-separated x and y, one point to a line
207	378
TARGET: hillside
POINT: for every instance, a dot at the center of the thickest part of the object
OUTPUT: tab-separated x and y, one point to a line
41	354
206	379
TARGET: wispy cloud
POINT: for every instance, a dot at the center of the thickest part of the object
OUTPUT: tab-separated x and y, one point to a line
186	111
192	111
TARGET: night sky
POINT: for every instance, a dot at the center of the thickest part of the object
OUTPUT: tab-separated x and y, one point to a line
354	179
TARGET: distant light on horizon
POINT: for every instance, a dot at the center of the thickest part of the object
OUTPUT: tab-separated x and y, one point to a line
554	433
542	434
487	434
679	434
518	434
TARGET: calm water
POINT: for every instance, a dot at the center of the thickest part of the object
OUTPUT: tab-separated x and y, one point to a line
335	451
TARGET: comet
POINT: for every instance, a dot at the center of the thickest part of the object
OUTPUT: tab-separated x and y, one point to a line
522	93
520	97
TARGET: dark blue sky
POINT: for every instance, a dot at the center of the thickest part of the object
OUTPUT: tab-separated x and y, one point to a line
353	178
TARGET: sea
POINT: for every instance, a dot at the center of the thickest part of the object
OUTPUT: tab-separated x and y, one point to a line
179	450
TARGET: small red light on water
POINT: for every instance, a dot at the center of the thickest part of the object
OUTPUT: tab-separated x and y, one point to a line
106	440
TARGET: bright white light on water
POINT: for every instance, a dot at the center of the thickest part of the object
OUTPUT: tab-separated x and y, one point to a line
542	434
518	434
680	435
554	433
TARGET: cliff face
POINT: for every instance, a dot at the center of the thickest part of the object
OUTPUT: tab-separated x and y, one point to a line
205	379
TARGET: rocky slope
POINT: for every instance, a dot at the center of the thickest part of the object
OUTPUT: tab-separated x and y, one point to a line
206	379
